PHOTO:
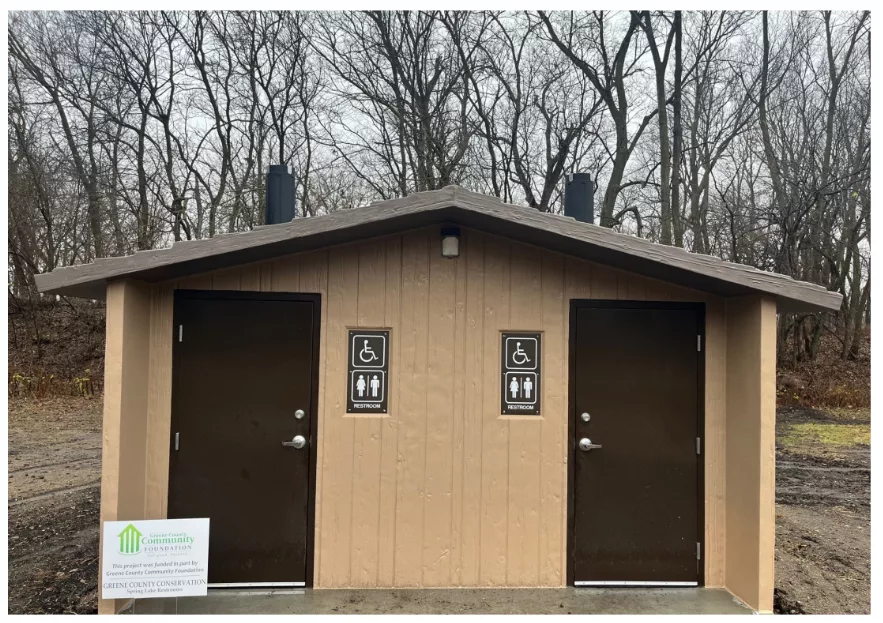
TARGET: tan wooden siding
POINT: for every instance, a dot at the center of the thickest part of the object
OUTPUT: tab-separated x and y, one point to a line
159	405
124	464
751	446
443	490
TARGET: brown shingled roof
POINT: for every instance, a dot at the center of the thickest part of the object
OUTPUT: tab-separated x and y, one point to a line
448	205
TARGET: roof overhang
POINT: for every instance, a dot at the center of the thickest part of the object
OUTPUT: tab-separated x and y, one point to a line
449	205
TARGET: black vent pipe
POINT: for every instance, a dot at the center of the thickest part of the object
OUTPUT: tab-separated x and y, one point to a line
280	194
579	197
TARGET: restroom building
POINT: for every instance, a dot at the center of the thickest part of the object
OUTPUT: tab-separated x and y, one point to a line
444	390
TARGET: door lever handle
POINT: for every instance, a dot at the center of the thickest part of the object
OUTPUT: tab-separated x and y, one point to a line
585	444
297	443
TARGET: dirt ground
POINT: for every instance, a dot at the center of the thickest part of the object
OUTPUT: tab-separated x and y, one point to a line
823	511
54	470
823	519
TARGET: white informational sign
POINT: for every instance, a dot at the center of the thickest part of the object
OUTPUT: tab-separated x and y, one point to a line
155	558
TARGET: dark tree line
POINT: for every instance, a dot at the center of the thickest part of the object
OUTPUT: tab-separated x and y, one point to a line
740	134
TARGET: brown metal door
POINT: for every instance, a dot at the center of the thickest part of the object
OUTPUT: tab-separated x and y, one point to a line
635	496
243	367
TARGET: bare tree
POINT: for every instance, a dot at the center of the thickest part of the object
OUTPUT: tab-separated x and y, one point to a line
741	134
40	45
608	74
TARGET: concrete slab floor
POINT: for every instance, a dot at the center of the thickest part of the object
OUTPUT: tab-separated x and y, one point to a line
450	601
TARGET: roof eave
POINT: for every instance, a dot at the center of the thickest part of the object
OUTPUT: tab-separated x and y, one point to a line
673	265
823	302
95	290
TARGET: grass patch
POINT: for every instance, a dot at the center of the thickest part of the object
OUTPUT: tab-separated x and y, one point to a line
832	436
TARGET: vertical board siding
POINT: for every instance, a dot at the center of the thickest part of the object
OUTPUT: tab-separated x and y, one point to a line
525	432
552	541
750	428
494	509
715	455
767	442
124	460
444	490
335	534
470	526
389	453
411	411
367	430
458	426
439	471
159	402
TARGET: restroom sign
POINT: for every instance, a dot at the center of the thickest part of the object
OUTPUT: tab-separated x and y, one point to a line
521	373
367	371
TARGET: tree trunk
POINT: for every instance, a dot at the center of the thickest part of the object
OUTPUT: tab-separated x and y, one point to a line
678	139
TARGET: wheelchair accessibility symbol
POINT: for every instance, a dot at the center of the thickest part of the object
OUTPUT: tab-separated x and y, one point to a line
521	353
368	351
520	357
367	354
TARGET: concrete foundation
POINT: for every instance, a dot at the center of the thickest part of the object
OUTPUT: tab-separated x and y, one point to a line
450	601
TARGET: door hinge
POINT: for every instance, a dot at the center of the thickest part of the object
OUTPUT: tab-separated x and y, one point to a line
180	333
698	343
177	441
698	445
698	550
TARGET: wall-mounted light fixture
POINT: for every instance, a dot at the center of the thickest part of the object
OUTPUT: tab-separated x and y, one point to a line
450	241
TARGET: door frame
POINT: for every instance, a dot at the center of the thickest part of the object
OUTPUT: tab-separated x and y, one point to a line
316	300
699	308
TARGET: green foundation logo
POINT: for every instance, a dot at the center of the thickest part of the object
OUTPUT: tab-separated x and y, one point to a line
130	540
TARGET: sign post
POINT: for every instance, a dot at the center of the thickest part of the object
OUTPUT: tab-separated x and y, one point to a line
368	371
521	377
154	558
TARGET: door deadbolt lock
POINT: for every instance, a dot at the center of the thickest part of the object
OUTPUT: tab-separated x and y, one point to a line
585	444
299	414
585	417
297	443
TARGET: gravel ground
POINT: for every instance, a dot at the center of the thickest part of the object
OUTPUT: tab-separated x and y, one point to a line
823	519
